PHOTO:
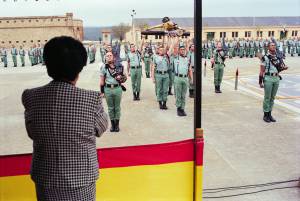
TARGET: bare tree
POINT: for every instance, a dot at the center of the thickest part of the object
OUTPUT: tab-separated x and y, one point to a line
120	30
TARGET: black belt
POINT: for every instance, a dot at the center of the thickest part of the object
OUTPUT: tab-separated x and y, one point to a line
112	85
180	75
272	74
135	67
218	63
161	72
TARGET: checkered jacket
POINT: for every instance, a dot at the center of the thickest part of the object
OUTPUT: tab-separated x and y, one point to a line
63	122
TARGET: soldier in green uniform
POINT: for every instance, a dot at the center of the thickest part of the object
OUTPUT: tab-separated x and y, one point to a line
231	49
209	50
269	80
218	61
14	53
35	55
241	48
134	69
147	57
160	76
174	55
182	70
252	46
4	56
191	57
31	55
22	56
110	84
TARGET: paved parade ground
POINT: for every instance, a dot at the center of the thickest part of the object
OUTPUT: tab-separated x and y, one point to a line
240	148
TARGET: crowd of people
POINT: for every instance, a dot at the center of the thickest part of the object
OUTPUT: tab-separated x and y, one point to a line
250	47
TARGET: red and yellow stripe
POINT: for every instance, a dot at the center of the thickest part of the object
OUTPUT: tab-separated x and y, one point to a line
149	172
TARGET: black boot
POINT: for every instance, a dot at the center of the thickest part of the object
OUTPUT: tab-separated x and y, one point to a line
216	89
164	105
112	129
160	105
179	112
117	129
134	96
271	118
170	91
266	117
191	93
147	75
183	112
138	96
219	90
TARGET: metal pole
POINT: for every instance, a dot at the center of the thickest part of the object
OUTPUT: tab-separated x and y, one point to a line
198	132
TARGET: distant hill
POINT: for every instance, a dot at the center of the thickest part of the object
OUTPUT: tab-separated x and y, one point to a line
93	33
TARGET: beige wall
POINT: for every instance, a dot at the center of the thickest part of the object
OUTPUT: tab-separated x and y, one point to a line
229	30
253	30
31	30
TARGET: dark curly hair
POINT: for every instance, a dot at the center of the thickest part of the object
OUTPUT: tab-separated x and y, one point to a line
64	57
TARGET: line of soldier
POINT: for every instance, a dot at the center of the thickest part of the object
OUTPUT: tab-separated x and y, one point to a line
169	66
250	47
35	55
91	51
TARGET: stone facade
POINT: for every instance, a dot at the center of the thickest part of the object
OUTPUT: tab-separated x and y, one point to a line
28	31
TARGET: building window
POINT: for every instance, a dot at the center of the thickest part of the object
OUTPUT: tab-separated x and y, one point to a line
259	34
46	40
7	21
2	42
22	20
17	41
247	34
271	33
15	21
65	20
156	36
9	42
58	19
29	20
37	20
222	34
160	37
24	41
0	21
235	34
51	20
31	41
294	33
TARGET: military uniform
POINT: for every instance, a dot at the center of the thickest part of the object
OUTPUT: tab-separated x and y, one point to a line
191	57
162	79
271	84
171	74
218	70
231	49
241	48
14	53
31	56
147	60
22	56
181	69
4	57
113	96
252	46
134	61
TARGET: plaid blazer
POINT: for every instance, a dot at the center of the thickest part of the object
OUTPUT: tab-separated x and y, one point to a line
63	122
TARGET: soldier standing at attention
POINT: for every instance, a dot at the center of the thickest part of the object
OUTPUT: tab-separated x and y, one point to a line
191	57
4	56
14	53
111	78
147	54
183	70
22	56
218	61
174	55
269	80
160	76
134	69
31	55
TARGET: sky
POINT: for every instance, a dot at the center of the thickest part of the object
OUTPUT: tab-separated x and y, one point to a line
113	12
